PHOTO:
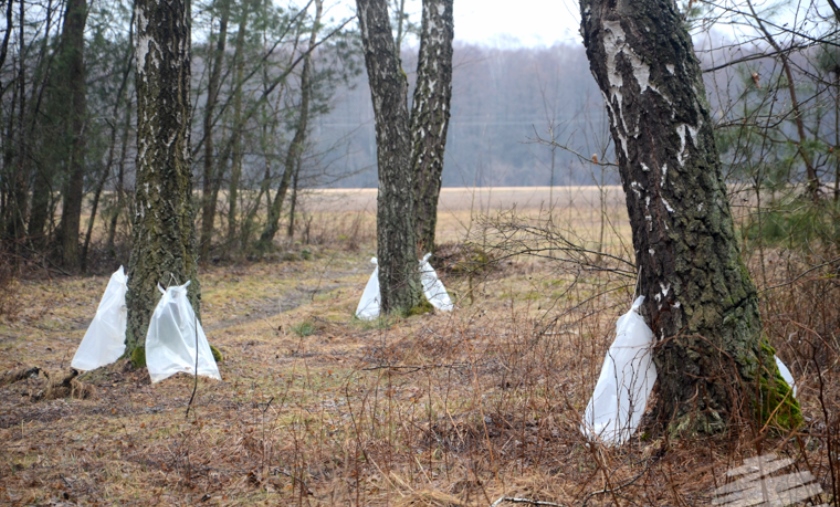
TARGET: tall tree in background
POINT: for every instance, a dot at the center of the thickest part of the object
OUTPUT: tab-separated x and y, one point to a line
47	152
399	282
430	115
208	201
237	149
295	150
73	77
712	360
164	238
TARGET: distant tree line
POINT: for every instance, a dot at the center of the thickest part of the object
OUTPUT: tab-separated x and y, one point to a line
280	104
504	99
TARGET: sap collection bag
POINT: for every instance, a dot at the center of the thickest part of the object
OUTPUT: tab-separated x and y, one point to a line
433	288
627	377
783	370
175	338
104	341
368	308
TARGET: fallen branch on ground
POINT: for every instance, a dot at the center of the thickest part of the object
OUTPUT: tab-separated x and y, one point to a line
18	374
513	499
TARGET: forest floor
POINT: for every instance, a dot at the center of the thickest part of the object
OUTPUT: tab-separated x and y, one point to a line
319	408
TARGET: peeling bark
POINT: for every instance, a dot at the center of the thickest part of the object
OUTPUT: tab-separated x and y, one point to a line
430	115
700	301
163	233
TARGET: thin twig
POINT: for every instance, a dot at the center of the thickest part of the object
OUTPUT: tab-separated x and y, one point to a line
513	499
801	275
294	478
619	487
413	368
195	383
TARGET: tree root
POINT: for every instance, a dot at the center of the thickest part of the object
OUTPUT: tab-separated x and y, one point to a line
65	385
59	385
12	376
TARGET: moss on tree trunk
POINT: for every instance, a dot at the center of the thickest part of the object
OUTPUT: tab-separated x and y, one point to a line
712	359
163	248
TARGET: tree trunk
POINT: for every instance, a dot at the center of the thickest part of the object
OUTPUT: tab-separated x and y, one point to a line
290	231
813	187
430	115
711	356
4	46
836	137
44	174
268	133
72	56
295	152
16	222
236	142
163	249
208	202
399	282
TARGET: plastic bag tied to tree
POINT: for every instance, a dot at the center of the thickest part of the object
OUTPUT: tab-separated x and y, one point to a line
627	377
175	338
433	290
368	308
104	341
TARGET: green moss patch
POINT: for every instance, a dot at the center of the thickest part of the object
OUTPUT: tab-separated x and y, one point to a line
778	408
138	357
420	308
217	354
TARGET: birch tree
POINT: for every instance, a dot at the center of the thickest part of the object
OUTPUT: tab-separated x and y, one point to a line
399	281
409	148
163	249
713	362
208	198
430	115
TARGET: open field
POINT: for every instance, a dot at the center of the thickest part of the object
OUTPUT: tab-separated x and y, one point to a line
317	408
478	198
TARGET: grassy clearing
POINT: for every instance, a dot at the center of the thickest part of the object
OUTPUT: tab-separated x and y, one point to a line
318	408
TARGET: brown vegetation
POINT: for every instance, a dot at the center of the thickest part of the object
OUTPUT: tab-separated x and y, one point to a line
317	408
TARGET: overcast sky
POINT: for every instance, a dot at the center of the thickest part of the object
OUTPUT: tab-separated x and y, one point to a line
499	22
542	22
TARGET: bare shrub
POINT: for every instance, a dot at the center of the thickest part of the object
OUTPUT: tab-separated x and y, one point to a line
10	303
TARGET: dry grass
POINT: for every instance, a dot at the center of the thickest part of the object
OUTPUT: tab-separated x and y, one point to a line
435	410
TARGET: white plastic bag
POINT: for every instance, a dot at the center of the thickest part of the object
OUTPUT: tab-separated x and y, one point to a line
783	370
104	341
171	340
626	379
433	288
368	308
